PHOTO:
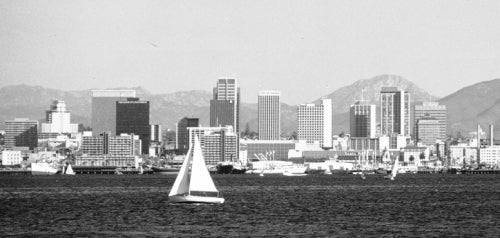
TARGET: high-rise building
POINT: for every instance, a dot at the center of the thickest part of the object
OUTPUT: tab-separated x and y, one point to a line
225	105
394	111
182	134
132	117
58	119
269	115
428	130
104	109
314	123
219	144
363	120
431	109
21	132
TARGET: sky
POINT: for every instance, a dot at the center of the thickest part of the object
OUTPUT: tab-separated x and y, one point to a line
303	48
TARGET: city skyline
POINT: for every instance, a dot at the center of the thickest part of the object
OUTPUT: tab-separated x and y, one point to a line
443	46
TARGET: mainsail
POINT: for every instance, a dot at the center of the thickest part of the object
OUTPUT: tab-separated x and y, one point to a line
181	184
200	177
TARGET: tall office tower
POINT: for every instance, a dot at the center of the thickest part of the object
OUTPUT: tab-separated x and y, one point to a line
314	123
132	117
395	111
225	105
104	109
363	120
182	135
58	119
269	115
219	144
21	132
431	109
155	133
428	130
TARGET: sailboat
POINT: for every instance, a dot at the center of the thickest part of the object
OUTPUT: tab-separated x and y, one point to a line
69	170
328	171
197	186
394	170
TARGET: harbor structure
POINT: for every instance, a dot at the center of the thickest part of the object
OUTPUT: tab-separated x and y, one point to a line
268	149
225	105
104	109
394	111
434	110
132	117
21	132
269	115
363	120
314	123
182	133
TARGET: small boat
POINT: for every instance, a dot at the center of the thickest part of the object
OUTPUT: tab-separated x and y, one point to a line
43	168
328	171
394	170
165	170
196	186
288	173
69	170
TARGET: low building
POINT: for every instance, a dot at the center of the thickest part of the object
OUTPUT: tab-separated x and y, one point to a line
106	160
11	157
271	149
490	156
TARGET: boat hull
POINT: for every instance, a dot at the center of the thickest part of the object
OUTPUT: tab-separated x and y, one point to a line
43	169
195	199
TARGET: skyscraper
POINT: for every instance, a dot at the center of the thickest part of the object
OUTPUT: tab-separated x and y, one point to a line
269	115
314	123
58	119
431	109
225	105
395	111
21	132
427	130
104	109
132	117
363	120
182	134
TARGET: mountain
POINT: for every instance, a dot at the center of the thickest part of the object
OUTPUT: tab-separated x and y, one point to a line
477	103
344	97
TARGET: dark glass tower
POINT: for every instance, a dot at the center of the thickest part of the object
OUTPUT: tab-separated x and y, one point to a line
182	135
132	116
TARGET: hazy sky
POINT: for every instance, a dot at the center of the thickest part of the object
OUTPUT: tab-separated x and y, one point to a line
305	49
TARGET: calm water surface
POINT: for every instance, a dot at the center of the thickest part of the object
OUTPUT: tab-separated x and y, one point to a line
315	205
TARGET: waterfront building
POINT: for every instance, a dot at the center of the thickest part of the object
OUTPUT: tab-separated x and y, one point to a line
394	111
431	109
104	109
21	132
11	157
427	130
270	149
269	115
219	144
105	144
106	160
363	120
393	142
314	123
490	156
462	154
225	105
182	134
364	143
132	117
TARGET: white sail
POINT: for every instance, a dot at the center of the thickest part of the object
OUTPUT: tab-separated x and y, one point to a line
69	170
200	177
181	184
395	168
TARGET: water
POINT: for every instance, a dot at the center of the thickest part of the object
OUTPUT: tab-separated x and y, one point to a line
315	205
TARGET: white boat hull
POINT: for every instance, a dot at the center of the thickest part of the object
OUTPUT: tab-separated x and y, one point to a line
294	174
42	169
195	199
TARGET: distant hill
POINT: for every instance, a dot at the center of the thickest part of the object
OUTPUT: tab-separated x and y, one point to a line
344	97
478	103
